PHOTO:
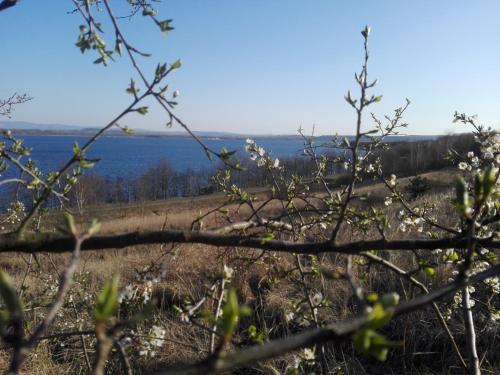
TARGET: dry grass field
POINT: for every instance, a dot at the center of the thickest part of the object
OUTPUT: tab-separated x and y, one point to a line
267	285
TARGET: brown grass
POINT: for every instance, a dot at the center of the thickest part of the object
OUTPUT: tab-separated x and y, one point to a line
192	268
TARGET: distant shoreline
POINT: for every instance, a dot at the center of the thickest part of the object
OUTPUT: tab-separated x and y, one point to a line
140	134
151	134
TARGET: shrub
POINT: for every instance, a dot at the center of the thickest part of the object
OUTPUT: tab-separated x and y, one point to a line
418	186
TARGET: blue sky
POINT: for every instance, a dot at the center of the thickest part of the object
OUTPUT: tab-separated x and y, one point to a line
265	66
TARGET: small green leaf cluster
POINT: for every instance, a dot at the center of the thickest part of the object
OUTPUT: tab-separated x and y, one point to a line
367	340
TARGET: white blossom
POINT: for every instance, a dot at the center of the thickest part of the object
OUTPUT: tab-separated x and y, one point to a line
495	315
392	180
488	155
307	354
228	272
317	298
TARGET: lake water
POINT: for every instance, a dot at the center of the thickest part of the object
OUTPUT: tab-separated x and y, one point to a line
131	156
123	156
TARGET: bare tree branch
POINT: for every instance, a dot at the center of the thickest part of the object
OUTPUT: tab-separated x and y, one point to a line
470	333
7	105
22	350
5	4
64	243
123	357
424	289
336	332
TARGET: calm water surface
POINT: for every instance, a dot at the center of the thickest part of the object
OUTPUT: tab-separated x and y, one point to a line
131	156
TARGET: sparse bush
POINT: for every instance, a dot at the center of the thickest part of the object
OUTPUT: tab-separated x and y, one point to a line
418	186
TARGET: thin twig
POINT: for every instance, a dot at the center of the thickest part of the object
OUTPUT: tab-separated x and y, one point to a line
336	332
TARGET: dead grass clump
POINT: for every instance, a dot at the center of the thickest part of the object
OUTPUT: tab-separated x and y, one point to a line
267	282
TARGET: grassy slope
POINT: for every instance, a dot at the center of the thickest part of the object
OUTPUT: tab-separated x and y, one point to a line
180	212
189	267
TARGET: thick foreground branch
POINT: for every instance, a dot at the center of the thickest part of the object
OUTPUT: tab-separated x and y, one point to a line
334	332
64	243
7	4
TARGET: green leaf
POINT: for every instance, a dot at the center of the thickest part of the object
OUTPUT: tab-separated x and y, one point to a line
429	271
225	154
379	316
161	69
176	65
70	223
118	46
77	151
349	98
372	297
453	256
165	26
127	130
149	12
489	181
245	310
256	335
462	196
107	301
95	226
142	110
366	32
252	330
265	237
132	89
9	297
230	313
86	165
379	346
362	340
370	342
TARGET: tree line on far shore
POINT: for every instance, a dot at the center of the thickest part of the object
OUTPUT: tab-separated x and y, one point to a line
163	181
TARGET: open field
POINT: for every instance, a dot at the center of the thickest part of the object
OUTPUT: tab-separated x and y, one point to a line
188	274
179	213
